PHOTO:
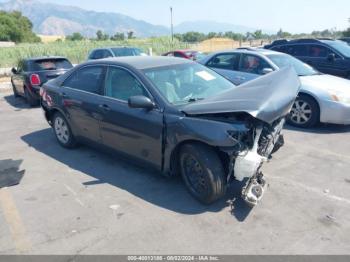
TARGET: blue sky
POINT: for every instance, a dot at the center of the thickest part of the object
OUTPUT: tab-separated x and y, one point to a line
291	15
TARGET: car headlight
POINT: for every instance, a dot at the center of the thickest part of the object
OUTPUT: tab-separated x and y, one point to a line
342	98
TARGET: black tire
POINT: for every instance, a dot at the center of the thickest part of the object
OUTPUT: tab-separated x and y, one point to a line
30	99
70	141
15	93
305	117
208	181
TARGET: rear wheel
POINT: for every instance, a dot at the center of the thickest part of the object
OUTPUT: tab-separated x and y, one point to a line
63	131
305	112
29	98
202	172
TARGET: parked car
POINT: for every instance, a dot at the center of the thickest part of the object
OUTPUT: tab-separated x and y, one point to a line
101	53
326	55
31	73
187	54
345	39
322	98
175	115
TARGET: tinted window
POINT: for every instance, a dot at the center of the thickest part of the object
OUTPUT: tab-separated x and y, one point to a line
87	79
318	51
224	61
296	50
106	53
51	64
126	51
122	85
97	54
253	64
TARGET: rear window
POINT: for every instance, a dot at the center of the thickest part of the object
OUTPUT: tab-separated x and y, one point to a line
126	51
51	64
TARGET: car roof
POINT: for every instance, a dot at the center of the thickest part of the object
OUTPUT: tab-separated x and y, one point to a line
33	59
115	47
249	50
143	62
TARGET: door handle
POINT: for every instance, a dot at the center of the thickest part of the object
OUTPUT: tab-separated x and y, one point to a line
105	107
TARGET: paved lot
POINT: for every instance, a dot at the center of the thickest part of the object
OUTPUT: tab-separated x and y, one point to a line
87	202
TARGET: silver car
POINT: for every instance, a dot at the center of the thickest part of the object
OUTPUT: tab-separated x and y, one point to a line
322	98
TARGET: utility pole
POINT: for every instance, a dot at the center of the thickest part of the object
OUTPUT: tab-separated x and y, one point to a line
171	24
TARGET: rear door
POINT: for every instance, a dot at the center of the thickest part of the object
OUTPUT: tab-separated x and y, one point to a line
226	64
81	97
132	131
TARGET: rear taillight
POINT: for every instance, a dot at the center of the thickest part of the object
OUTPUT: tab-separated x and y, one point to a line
35	80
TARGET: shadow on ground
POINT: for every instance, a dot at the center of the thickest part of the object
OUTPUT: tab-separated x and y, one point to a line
17	102
321	129
151	186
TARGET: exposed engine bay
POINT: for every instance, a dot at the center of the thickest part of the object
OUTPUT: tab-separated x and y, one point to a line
253	147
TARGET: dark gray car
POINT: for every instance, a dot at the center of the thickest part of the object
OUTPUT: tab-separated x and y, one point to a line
177	116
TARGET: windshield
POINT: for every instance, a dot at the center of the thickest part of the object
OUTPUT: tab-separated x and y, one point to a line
341	47
51	64
186	83
285	60
126	51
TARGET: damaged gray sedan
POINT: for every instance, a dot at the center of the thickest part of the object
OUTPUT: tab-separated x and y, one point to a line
177	116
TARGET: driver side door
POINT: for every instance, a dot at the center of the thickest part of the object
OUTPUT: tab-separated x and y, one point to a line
131	131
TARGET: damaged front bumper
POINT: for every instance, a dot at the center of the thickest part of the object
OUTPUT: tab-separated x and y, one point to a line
248	163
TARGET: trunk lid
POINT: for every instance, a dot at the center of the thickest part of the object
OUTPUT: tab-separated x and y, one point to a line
266	98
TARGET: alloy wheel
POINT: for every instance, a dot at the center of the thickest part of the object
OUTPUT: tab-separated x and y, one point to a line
301	112
61	130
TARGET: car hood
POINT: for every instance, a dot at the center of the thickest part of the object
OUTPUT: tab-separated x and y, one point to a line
326	82
266	98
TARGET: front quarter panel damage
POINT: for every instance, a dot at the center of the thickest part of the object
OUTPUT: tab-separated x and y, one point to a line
181	129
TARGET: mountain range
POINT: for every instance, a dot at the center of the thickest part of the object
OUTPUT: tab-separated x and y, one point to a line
55	19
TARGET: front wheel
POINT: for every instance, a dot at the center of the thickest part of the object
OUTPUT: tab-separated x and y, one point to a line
305	112
203	173
63	131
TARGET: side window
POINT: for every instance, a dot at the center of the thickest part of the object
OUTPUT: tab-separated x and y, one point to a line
87	79
224	61
318	51
170	54
98	54
253	64
106	53
122	85
296	50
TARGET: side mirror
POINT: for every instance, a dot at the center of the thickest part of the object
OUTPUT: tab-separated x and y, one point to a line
266	71
141	102
14	70
331	57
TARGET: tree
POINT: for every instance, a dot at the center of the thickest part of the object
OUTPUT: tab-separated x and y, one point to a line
101	36
17	28
118	37
193	37
131	35
75	37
